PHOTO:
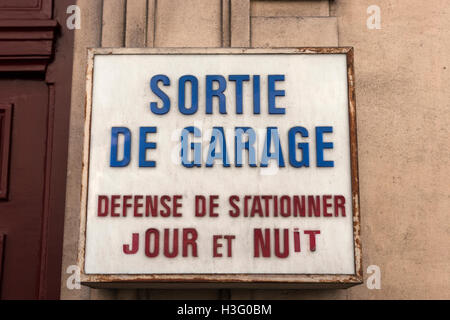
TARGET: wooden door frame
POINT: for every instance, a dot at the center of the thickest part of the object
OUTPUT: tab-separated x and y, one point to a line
29	38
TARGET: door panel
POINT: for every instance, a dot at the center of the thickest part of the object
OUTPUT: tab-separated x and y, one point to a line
5	141
22	212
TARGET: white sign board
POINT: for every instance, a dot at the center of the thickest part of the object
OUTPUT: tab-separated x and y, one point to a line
220	165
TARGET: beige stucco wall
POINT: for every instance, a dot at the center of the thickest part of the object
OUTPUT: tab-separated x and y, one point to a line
402	95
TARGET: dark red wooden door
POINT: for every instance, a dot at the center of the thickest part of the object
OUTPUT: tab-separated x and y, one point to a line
35	81
22	211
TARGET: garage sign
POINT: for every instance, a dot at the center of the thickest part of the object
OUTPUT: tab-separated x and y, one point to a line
226	167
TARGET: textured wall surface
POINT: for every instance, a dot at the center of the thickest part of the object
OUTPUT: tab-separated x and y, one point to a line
402	72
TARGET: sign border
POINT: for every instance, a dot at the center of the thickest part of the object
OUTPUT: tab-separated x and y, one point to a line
297	281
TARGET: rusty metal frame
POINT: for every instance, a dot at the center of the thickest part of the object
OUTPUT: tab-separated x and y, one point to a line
224	280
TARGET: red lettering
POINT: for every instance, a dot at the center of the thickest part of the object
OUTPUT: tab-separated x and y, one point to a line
167	252
256	207
299	207
200	206
103	202
285	205
114	205
246	198
297	240
135	245
261	242
236	212
148	235
165	213
177	205
285	252
126	205
312	238
339	204
229	239
216	246
314	206
151	206
266	204
326	205
212	205
137	205
190	240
